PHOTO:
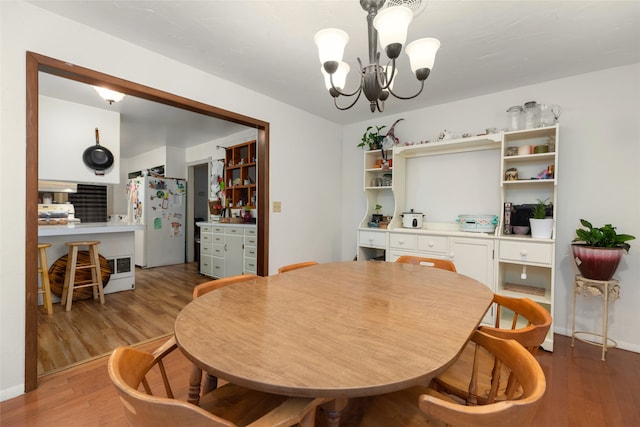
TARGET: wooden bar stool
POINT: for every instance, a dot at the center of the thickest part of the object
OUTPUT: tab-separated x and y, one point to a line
70	282
45	285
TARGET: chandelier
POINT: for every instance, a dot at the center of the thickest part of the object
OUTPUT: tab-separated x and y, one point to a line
376	81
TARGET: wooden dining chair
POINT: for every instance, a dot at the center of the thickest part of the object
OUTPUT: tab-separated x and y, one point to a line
423	406
203	288
211	382
443	264
529	327
228	406
290	267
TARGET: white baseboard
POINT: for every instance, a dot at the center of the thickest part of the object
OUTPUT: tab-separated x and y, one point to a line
10	393
623	345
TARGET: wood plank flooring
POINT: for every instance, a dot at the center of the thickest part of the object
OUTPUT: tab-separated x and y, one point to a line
91	329
581	391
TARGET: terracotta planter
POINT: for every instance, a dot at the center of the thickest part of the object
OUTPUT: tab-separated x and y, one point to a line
596	263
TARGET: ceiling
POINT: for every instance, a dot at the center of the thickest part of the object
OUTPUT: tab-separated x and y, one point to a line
267	46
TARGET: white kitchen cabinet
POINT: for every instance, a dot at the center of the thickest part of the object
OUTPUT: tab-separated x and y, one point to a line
250	251
65	130
228	249
474	257
233	251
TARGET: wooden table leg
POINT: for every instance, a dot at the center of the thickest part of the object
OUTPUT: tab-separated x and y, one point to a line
334	410
194	385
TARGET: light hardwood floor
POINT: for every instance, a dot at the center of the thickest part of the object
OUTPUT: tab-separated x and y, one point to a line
581	391
91	329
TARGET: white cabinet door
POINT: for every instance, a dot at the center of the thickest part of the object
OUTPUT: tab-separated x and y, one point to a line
233	255
474	258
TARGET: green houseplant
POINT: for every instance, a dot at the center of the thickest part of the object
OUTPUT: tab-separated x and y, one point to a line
597	251
541	225
372	139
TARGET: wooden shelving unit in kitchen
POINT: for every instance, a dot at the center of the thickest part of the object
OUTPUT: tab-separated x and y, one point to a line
240	175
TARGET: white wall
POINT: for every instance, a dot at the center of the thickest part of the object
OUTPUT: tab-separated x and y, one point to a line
305	160
598	153
65	130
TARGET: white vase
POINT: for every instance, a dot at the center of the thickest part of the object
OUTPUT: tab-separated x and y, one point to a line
541	228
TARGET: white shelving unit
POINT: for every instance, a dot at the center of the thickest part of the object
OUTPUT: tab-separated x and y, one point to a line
509	264
526	266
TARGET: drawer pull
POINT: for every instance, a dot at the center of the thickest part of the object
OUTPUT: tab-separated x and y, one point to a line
523	252
431	244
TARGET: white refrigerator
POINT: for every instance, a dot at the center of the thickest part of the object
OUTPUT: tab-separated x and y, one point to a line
160	205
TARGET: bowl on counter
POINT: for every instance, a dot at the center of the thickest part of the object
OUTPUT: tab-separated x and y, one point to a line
520	229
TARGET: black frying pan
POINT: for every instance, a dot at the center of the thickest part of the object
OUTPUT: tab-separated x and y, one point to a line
97	157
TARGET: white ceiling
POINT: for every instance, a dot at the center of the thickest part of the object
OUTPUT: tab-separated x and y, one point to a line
487	46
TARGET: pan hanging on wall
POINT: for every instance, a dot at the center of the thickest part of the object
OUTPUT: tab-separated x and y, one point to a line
97	157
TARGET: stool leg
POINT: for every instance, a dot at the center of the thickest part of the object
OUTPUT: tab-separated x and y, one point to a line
96	274
44	282
70	277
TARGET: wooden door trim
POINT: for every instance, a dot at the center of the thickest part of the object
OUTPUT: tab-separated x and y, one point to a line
36	62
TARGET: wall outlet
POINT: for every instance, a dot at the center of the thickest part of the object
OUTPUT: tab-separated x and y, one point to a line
277	206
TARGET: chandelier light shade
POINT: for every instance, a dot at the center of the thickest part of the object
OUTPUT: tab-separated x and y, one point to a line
376	80
392	25
422	53
109	95
331	43
339	77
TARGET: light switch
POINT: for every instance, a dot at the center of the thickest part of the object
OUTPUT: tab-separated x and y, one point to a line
277	206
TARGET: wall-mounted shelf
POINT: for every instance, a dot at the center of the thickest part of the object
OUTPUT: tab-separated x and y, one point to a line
459	145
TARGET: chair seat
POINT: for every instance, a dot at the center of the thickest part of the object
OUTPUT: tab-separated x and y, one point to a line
455	380
239	405
243	406
401	409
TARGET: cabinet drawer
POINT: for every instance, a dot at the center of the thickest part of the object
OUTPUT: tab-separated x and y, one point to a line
437	244
217	267
233	230
250	265
206	265
205	249
519	251
217	229
403	241
205	229
206	238
372	239
251	231
251	252
217	250
250	240
217	239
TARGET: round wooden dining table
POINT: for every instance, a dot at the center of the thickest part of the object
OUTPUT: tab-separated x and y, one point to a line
334	330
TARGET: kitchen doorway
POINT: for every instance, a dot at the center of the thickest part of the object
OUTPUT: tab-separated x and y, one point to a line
36	63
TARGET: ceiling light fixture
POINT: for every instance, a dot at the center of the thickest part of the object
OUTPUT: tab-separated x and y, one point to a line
376	81
109	95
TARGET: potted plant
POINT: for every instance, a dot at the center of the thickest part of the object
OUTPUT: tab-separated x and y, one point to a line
376	217
597	251
372	139
541	225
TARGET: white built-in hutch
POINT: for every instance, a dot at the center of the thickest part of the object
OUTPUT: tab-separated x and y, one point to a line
509	264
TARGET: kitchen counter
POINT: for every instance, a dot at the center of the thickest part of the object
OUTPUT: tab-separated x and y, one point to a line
116	245
225	224
434	228
86	228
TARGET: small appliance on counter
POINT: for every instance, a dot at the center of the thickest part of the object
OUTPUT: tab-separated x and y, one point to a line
412	219
56	214
478	223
